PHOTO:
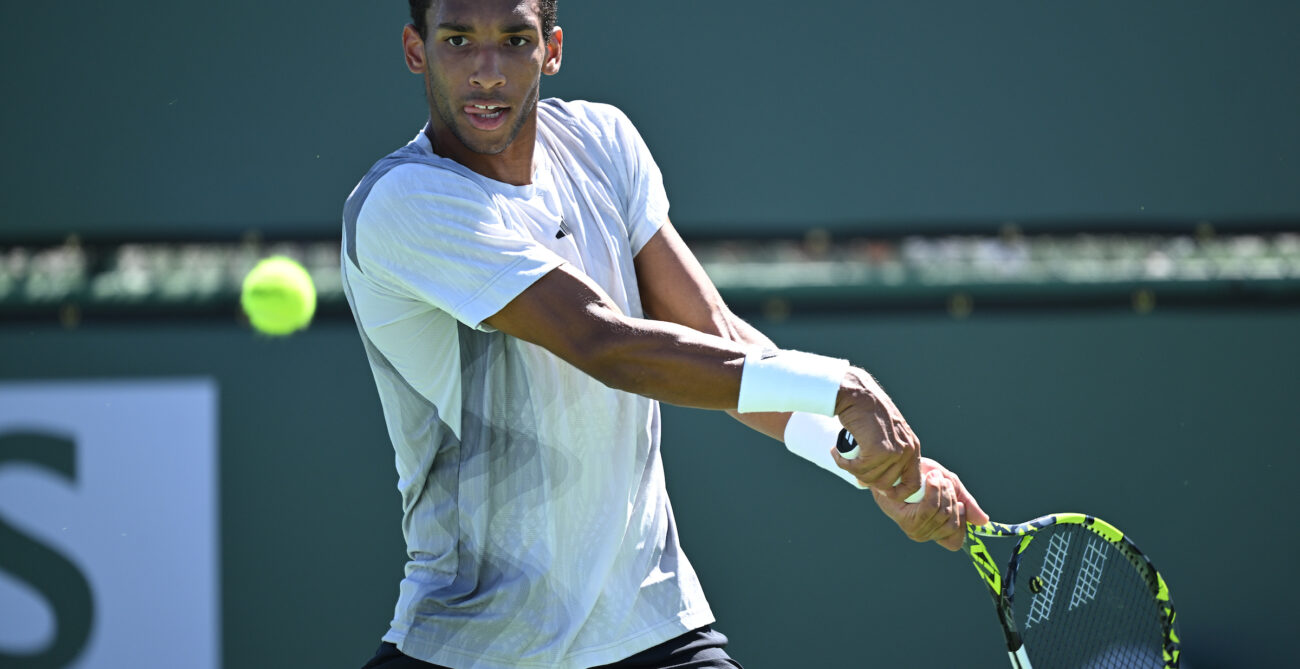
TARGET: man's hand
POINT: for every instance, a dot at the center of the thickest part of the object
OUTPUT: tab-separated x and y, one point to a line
942	516
888	450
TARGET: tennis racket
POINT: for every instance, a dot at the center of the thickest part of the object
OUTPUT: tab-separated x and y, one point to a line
1077	593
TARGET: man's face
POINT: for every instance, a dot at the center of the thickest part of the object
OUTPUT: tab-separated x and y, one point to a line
484	61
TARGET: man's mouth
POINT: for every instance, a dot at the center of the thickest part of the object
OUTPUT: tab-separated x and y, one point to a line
488	111
486	116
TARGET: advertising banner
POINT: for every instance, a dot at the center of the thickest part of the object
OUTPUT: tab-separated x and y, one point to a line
109	547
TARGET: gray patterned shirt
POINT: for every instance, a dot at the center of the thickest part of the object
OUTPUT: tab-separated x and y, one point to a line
536	520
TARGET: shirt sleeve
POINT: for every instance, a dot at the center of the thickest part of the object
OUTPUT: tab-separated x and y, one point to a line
433	235
647	201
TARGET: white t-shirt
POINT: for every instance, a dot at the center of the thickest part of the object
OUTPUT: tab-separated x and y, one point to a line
537	524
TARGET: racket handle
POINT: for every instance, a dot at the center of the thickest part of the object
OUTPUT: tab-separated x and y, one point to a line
848	448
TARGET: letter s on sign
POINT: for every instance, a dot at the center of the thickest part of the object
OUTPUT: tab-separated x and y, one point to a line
52	575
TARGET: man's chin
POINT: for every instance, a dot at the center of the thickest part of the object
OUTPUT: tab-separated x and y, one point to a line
488	149
488	146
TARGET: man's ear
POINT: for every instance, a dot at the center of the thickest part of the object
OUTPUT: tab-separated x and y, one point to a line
554	51
413	47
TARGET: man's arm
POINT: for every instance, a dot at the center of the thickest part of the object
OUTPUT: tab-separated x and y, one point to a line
675	288
566	313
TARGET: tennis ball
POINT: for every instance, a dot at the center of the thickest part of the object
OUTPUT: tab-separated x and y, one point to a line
278	296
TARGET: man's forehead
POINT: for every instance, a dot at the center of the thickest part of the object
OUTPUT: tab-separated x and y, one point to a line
486	13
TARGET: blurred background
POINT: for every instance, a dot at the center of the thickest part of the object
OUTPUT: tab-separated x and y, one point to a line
1065	238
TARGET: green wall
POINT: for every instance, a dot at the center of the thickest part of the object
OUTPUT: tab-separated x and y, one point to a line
172	121
180	119
1176	426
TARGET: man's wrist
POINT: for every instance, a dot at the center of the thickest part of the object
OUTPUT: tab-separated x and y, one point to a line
782	380
856	385
812	437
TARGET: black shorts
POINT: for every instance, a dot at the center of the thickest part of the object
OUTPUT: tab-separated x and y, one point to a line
697	649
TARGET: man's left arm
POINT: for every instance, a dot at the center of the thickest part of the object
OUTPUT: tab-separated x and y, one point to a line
675	288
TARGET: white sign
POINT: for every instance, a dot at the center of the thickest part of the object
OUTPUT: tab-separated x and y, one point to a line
109	550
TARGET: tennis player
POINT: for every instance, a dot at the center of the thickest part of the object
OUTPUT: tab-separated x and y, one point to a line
525	305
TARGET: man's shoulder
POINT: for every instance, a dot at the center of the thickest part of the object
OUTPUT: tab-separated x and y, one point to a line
403	178
416	166
583	114
411	169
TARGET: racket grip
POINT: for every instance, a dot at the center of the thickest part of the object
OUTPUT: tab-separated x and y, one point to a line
848	448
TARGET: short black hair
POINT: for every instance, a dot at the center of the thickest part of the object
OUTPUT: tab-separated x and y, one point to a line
420	8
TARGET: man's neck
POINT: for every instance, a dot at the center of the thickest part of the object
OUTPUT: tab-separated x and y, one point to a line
514	165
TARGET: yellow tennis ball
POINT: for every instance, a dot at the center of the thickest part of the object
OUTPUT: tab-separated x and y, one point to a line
278	295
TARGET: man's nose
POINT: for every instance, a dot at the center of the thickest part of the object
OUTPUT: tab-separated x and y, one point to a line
487	71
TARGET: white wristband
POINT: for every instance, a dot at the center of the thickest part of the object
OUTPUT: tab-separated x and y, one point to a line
777	380
812	437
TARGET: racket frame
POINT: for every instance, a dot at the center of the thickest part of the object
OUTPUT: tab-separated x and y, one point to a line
1002	586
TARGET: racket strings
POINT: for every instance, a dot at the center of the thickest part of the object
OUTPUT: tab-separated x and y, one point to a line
1080	603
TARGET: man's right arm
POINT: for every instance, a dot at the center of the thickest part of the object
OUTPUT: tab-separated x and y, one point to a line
674	287
566	313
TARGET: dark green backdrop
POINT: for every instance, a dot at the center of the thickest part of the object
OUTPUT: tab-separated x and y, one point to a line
173	118
1179	427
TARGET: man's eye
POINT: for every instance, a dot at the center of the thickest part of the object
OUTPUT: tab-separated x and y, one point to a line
457	40
518	41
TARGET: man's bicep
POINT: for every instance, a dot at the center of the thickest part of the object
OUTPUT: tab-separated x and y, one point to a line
674	286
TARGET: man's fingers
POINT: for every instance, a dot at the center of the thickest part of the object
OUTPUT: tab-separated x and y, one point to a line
863	465
974	514
901	434
898	479
909	480
873	472
952	541
921	520
953	532
939	493
878	469
885	479
943	513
